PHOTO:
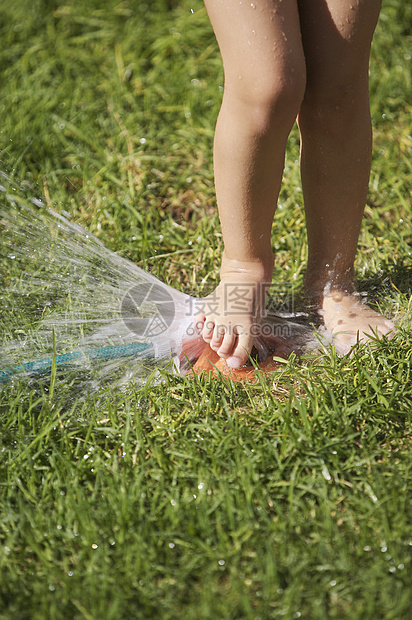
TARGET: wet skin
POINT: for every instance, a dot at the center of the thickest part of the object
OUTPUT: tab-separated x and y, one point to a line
305	59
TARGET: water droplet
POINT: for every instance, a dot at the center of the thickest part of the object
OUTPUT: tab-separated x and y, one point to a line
221	562
200	485
94	546
172	545
325	473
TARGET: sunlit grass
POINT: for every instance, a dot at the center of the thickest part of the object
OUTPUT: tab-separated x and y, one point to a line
193	497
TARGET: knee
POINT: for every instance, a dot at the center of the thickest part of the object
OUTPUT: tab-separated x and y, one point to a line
271	99
334	96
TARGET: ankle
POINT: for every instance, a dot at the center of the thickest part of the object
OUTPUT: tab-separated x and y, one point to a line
254	269
317	289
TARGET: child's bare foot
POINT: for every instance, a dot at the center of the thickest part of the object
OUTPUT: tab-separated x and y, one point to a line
230	316
351	321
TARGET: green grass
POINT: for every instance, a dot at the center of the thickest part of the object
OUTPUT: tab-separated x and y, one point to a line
198	498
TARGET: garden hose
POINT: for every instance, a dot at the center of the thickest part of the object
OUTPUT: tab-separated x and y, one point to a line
44	366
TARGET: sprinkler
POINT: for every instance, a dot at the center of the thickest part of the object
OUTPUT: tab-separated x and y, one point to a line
126	312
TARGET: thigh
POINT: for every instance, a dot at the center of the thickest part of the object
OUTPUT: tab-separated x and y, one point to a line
259	40
336	36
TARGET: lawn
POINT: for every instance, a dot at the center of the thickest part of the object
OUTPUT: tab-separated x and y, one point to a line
194	498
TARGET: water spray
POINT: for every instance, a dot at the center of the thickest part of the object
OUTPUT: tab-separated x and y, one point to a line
105	313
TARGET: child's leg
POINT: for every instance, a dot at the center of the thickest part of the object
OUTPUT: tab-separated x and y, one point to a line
335	126
264	83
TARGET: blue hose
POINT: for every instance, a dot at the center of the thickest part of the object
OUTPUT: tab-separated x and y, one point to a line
41	367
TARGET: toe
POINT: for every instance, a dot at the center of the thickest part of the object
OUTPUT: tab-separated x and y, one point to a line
208	330
228	345
241	352
198	325
344	343
235	362
390	326
218	337
387	329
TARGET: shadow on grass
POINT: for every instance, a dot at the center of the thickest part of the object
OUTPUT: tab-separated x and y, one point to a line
398	277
